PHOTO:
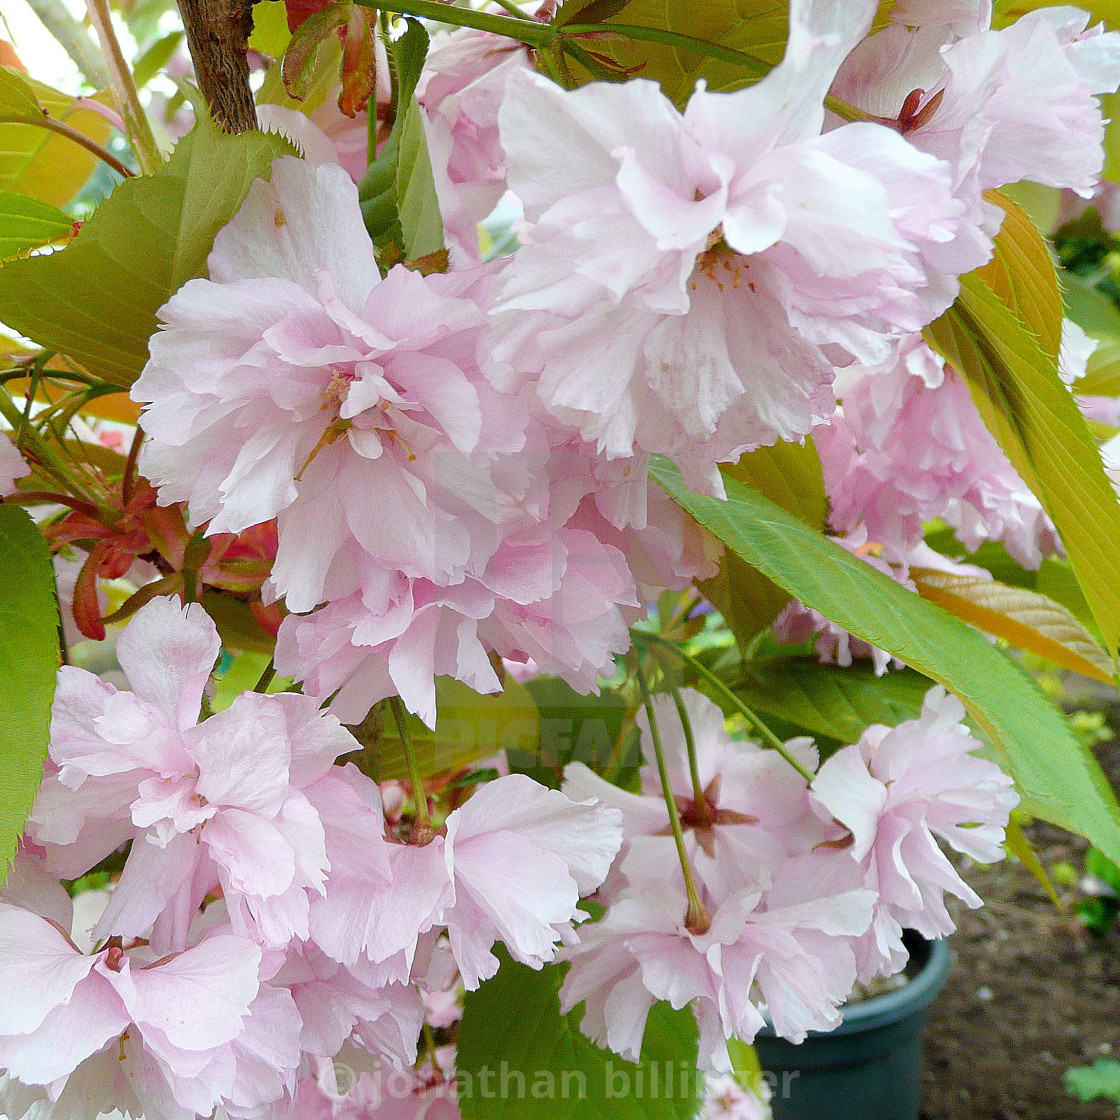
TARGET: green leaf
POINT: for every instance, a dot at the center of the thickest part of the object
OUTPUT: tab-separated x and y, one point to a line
1102	378
26	223
43	164
398	192
1101	1079
18	101
755	27
97	299
1036	421
155	58
469	727
829	700
572	728
1057	774
1092	311
28	663
789	474
512	1026
270	28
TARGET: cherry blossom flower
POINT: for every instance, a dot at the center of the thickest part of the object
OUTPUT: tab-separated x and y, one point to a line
755	807
169	1038
353	1088
557	597
461	90
12	466
999	106
510	865
294	382
690	279
785	940
240	799
726	1099
911	446
896	792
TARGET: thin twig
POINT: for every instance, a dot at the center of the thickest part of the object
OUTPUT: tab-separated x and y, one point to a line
135	119
87	142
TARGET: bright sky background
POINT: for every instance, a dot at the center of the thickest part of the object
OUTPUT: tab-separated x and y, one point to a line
42	56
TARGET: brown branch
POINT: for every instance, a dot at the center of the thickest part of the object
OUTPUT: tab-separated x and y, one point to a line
218	36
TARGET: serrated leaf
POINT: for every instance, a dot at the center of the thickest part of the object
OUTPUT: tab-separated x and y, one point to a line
26	223
1036	421
1057	775
97	299
398	192
789	474
1024	618
1023	275
829	700
43	164
28	664
513	1024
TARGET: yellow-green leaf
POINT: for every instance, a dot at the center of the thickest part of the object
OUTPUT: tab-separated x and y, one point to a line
1024	618
17	98
1102	379
26	223
43	164
1023	275
97	299
1036	421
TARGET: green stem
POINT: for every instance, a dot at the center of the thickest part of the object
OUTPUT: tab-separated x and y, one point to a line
697	919
845	111
699	797
671	39
53	124
266	677
124	86
49	458
523	30
646	637
419	795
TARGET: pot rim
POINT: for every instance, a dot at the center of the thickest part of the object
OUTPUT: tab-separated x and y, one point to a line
896	1005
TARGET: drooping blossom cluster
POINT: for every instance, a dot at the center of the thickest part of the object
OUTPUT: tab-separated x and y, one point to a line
807	882
264	911
446	474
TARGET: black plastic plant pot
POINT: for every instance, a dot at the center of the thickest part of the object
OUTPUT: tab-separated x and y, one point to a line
869	1067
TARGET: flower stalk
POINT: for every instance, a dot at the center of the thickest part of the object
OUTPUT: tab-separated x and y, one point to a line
423	833
645	637
699	797
136	121
698	919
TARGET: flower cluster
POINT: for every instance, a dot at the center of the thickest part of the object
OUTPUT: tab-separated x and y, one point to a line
805	881
442	469
265	910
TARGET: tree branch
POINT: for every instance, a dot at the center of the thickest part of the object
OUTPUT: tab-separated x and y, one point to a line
218	36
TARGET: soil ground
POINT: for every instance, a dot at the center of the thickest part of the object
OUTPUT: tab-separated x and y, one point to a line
1031	994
